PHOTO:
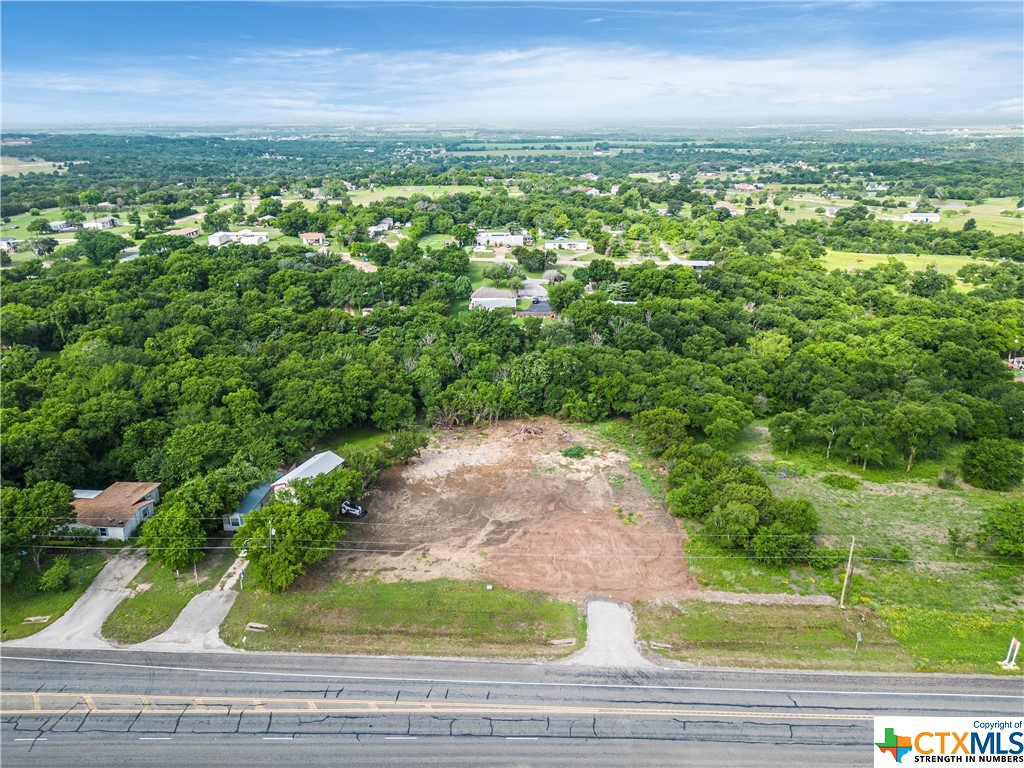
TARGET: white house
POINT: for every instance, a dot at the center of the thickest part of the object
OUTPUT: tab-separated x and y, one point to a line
492	298
57	226
243	236
253	500
313	238
103	222
565	244
252	237
115	513
217	239
922	218
500	238
321	464
8	244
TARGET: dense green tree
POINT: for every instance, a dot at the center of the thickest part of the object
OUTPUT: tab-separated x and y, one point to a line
174	536
29	517
996	464
280	539
1003	529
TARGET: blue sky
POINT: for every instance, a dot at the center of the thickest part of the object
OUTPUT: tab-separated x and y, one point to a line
510	63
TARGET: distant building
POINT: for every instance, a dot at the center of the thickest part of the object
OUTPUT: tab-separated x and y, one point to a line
59	226
565	244
243	236
103	222
492	298
317	465
500	238
876	187
922	218
8	244
313	238
115	513
185	232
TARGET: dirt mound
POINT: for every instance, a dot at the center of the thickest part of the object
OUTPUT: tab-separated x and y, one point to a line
503	504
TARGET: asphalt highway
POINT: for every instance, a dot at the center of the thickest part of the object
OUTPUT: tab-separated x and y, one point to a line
128	708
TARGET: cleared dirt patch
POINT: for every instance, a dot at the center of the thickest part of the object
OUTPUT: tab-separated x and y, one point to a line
503	504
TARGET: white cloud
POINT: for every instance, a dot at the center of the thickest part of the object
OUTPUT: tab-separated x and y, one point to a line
531	85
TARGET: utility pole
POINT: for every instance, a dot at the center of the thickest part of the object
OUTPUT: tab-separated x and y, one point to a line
846	579
271	525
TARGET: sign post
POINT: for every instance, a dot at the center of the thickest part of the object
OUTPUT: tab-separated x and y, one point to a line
1010	662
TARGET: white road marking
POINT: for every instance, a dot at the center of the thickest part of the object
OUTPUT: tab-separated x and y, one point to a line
154	738
516	683
401	738
278	738
520	738
30	739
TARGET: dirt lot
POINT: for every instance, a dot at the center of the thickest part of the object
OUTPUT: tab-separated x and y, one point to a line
504	505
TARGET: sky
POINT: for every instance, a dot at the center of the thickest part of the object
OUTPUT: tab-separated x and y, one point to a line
510	63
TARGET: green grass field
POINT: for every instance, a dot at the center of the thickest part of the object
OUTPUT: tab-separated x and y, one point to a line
849	262
364	196
363	438
771	636
986	215
150	612
22	598
436	618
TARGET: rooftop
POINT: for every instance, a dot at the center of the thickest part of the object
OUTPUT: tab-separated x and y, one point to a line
314	466
493	293
114	506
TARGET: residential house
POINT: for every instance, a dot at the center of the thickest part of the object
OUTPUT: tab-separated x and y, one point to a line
565	244
492	298
117	511
732	209
922	218
185	232
313	238
877	187
253	500
317	465
59	226
500	238
217	239
8	244
103	222
243	236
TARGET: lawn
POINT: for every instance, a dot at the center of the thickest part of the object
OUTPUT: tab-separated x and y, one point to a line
22	598
988	216
153	609
773	636
363	438
443	617
849	261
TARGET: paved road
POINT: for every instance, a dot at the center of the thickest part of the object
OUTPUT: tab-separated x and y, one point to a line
81	626
103	708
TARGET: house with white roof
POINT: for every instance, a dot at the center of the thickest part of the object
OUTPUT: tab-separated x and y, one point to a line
317	465
103	222
500	238
492	298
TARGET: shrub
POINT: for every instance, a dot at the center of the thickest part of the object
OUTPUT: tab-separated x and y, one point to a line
1004	528
826	558
996	464
776	544
576	452
899	553
843	482
947	480
57	575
